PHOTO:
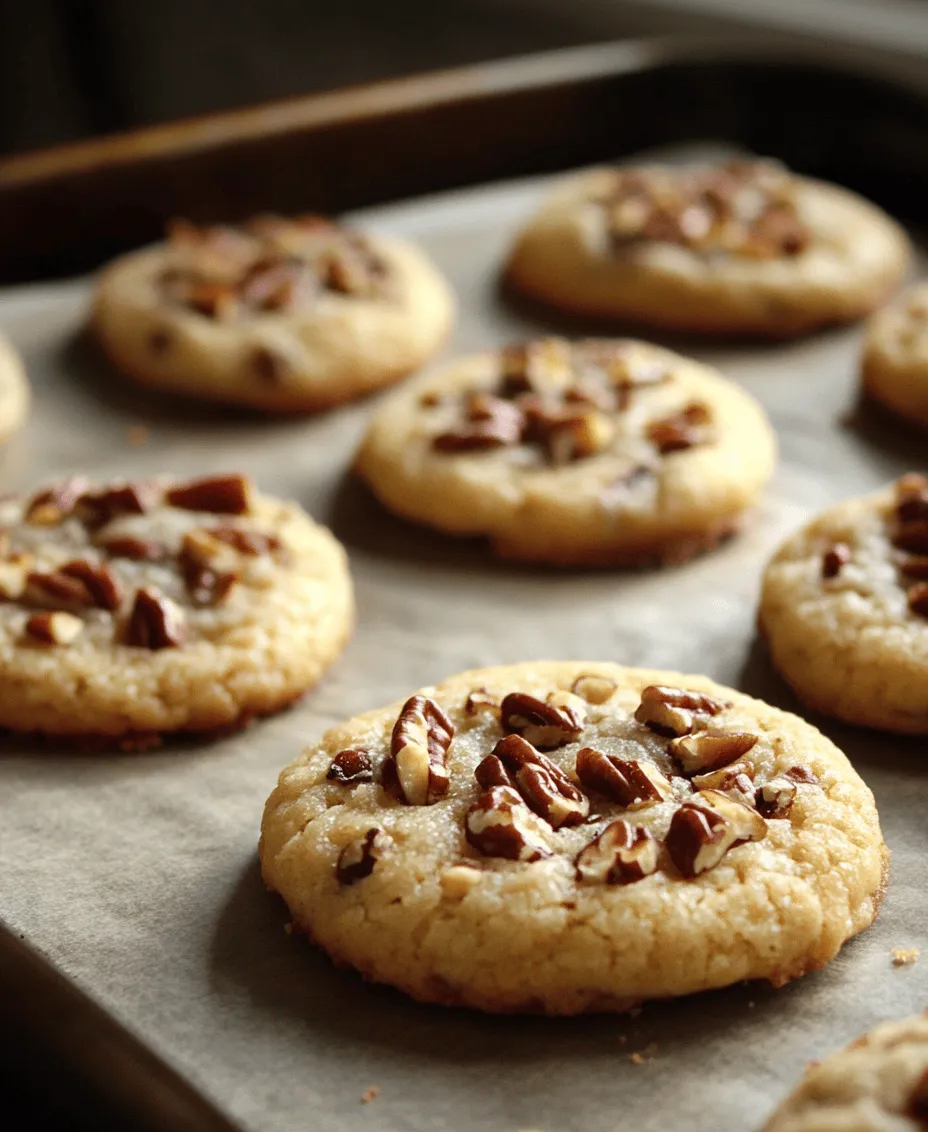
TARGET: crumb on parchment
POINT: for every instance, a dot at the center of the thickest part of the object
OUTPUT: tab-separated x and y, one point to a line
370	1094
649	1053
904	956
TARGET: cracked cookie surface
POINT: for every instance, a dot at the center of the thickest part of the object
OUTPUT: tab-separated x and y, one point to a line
596	452
569	837
742	247
129	610
895	356
282	315
879	1083
14	391
844	609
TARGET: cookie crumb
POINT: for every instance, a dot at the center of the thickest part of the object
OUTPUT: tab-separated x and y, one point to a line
904	956
137	435
370	1094
649	1053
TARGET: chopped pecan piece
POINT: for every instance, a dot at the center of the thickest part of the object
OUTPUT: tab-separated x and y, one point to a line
213	300
480	700
491	772
545	787
629	782
775	798
541	367
222	495
912	537
912	498
204	562
53	628
706	827
592	688
154	622
917	1105
674	711
357	860
710	749
51	506
834	559
802	774
56	590
545	725
913	565
415	772
277	284
918	598
685	429
140	549
13	579
246	542
735	780
351	766
578	435
457	881
621	854
97	508
102	584
491	423
499	824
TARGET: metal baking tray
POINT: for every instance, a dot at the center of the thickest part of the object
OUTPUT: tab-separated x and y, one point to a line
143	968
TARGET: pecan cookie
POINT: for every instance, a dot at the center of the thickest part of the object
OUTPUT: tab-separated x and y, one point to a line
14	391
283	315
129	610
879	1083
743	247
895	357
596	452
570	837
844	609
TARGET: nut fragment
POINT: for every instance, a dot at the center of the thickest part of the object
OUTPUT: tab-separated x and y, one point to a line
577	435
480	700
490	423
710	749
775	798
499	824
683	430
629	782
621	854
917	1105
54	628
351	766
704	829
245	542
143	550
912	497
457	881
97	508
54	504
415	772
592	688
491	772
56	590
102	584
209	567
222	495
543	724
545	787
674	711
834	559
802	774
357	860
155	622
735	780
918	598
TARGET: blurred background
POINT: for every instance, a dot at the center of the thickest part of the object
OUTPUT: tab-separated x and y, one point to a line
71	69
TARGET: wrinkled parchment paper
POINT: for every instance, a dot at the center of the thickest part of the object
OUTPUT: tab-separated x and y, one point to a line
137	874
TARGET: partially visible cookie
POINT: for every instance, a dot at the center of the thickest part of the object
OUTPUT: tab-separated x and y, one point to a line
895	357
14	391
879	1083
844	609
134	609
568	837
283	315
742	247
598	452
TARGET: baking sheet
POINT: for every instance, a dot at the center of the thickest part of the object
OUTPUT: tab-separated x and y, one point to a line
137	874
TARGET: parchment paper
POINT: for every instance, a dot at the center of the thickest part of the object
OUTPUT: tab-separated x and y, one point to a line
137	874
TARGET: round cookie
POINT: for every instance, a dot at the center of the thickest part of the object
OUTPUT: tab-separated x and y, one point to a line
596	452
879	1083
14	391
134	609
844	609
895	358
743	248
279	315
568	837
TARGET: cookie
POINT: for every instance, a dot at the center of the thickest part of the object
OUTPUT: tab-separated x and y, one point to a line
279	315
14	391
894	368
568	837
740	248
879	1083
844	609
596	452
134	609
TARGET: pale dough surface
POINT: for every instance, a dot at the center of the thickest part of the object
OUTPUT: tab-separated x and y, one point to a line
341	348
856	258
528	936
863	1088
574	513
895	357
14	391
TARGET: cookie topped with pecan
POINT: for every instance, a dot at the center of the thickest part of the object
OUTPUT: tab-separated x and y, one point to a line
594	452
132	609
736	247
894	363
568	837
844	609
278	313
